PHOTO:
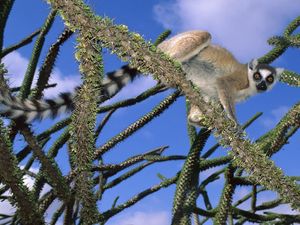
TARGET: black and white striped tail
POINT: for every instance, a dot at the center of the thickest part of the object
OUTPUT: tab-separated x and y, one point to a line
29	110
116	80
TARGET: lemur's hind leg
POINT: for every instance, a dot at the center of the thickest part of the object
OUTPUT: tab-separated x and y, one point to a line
186	45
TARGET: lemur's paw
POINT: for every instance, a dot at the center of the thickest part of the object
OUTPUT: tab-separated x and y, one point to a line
196	120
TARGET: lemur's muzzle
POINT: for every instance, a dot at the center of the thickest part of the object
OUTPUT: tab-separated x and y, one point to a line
262	86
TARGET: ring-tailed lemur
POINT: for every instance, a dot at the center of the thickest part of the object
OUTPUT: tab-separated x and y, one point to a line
219	76
213	69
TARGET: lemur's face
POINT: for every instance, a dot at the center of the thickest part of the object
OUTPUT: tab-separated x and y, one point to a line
264	76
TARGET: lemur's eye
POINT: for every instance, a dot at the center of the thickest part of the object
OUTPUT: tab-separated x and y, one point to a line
270	79
257	76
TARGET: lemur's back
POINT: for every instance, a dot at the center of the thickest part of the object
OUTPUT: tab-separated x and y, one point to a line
219	57
203	68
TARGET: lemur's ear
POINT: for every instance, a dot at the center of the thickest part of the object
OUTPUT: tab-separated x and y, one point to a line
279	71
252	64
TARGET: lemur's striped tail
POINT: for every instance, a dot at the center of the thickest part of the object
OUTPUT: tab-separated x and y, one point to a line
116	80
29	110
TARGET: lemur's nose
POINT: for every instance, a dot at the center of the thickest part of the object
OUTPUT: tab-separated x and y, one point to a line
262	86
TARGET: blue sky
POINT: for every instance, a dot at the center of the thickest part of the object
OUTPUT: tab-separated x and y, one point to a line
241	26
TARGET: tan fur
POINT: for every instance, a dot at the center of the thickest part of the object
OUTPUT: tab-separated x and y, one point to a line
238	78
186	45
219	56
183	47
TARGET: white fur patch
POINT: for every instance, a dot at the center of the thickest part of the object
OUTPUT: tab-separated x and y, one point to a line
29	105
62	109
265	72
46	113
17	113
31	116
119	73
43	104
59	101
125	79
116	74
112	89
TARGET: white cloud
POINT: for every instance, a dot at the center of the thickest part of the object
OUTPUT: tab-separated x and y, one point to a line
6	207
141	218
285	209
16	65
64	83
263	197
241	26
279	112
240	192
276	115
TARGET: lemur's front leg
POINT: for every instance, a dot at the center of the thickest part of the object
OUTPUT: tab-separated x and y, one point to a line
226	97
